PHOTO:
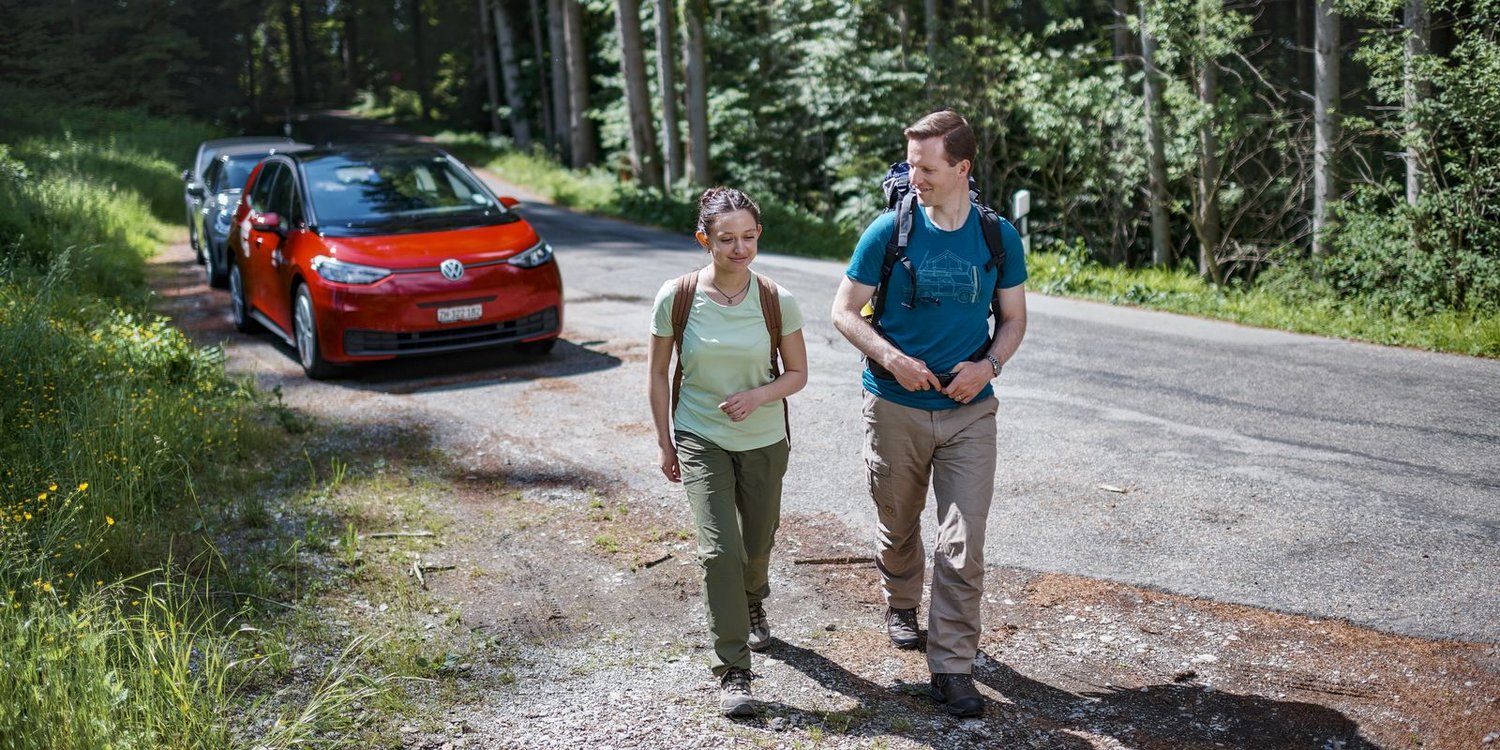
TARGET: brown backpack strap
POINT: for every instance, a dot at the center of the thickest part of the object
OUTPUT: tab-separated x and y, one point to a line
682	305
770	309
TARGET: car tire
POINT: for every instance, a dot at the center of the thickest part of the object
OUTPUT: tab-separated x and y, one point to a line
537	348
305	334
194	242
239	309
213	266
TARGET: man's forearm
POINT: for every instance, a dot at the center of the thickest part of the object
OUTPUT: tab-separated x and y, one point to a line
863	336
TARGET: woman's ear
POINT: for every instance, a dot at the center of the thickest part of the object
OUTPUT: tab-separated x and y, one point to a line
702	239
759	230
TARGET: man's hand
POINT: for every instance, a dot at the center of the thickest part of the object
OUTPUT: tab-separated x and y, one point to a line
912	373
969	378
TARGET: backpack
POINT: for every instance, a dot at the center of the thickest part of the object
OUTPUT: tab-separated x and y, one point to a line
900	198
770	310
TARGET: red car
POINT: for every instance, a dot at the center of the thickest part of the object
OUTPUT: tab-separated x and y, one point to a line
357	254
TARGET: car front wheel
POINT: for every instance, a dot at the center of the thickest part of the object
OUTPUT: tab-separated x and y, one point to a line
305	325
238	308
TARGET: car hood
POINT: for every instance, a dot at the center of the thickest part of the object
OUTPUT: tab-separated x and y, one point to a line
428	249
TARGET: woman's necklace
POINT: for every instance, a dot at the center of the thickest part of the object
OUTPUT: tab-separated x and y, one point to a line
729	298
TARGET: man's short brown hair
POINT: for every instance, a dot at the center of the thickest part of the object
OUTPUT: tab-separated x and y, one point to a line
958	137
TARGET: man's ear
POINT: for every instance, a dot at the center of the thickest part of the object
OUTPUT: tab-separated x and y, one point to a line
965	166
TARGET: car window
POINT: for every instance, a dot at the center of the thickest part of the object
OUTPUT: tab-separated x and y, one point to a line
402	191
281	194
211	177
237	170
260	195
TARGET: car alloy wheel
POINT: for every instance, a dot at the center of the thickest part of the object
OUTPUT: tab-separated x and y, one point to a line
238	309
305	332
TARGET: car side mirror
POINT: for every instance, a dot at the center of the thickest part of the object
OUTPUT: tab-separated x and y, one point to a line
509	202
267	222
196	190
187	175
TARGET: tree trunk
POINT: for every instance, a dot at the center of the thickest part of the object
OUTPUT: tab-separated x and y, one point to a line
1161	228
645	162
1123	48
666	67
558	45
695	66
487	55
1306	21
510	70
293	57
420	55
311	74
1208	223
352	71
930	17
580	127
1418	25
1325	122
549	128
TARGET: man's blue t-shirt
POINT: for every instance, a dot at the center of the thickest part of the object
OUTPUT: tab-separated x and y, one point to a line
949	319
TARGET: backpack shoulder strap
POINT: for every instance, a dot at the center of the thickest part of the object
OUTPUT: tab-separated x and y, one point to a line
682	306
895	252
989	222
770	309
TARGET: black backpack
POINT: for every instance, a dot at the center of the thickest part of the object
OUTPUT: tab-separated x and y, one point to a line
900	198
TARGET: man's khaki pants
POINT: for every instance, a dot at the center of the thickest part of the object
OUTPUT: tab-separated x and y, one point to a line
956	449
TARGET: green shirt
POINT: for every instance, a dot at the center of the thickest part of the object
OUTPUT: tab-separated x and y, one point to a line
725	350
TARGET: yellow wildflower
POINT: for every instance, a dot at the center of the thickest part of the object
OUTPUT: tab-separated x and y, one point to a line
83	486
109	520
52	487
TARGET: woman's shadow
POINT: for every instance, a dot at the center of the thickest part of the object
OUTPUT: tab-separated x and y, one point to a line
1036	714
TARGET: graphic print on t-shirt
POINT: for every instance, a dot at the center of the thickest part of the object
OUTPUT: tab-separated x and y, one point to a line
948	277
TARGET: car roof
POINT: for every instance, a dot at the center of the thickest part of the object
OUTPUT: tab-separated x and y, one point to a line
219	143
368	150
262	148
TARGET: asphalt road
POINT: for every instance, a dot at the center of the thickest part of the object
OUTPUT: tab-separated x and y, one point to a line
1284	471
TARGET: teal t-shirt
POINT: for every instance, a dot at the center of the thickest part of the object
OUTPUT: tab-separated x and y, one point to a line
949	319
726	350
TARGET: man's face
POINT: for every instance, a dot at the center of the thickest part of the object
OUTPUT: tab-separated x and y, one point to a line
936	181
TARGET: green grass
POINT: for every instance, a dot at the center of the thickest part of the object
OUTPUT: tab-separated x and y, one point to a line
122	619
1295	305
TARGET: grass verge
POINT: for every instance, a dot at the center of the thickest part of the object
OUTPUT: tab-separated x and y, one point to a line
133	614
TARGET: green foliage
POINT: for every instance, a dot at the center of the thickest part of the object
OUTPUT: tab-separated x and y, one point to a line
1284	298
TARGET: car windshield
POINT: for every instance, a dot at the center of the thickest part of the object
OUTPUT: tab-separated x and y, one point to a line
237	170
396	193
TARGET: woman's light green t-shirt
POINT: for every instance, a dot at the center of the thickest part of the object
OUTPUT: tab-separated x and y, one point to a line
725	350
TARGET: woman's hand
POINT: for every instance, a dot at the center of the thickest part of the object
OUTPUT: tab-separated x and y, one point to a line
741	405
667	457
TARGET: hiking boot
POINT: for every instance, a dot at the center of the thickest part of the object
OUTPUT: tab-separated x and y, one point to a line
901	625
957	693
734	693
760	630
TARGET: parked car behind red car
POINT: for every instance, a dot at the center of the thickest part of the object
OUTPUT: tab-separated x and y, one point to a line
355	254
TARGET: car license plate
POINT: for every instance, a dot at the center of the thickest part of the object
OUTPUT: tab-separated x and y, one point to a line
455	314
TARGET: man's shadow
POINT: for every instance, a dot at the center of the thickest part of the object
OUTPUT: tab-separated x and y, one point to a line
1169	715
1182	715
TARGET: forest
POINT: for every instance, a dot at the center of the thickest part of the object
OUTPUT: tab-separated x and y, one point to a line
1348	148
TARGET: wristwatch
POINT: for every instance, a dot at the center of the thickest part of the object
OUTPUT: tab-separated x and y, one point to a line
994	364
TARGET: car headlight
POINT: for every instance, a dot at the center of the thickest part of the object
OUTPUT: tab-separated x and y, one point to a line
533	257
347	273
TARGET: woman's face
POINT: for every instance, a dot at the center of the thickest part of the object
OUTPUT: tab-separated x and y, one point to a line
731	240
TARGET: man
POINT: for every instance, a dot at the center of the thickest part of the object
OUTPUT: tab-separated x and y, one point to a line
917	427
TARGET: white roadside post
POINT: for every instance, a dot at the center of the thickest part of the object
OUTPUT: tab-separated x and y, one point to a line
1020	206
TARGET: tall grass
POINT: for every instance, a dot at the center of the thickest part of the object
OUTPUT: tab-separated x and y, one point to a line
110	422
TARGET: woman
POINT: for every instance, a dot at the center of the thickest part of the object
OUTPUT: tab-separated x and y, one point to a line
725	437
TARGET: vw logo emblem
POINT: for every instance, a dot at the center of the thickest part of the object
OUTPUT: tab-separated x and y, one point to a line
452	269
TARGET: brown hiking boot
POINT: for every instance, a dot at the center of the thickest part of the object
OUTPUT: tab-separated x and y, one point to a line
958	695
901	626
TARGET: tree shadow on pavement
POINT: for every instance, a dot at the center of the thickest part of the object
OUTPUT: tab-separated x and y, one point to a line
883	710
1179	716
